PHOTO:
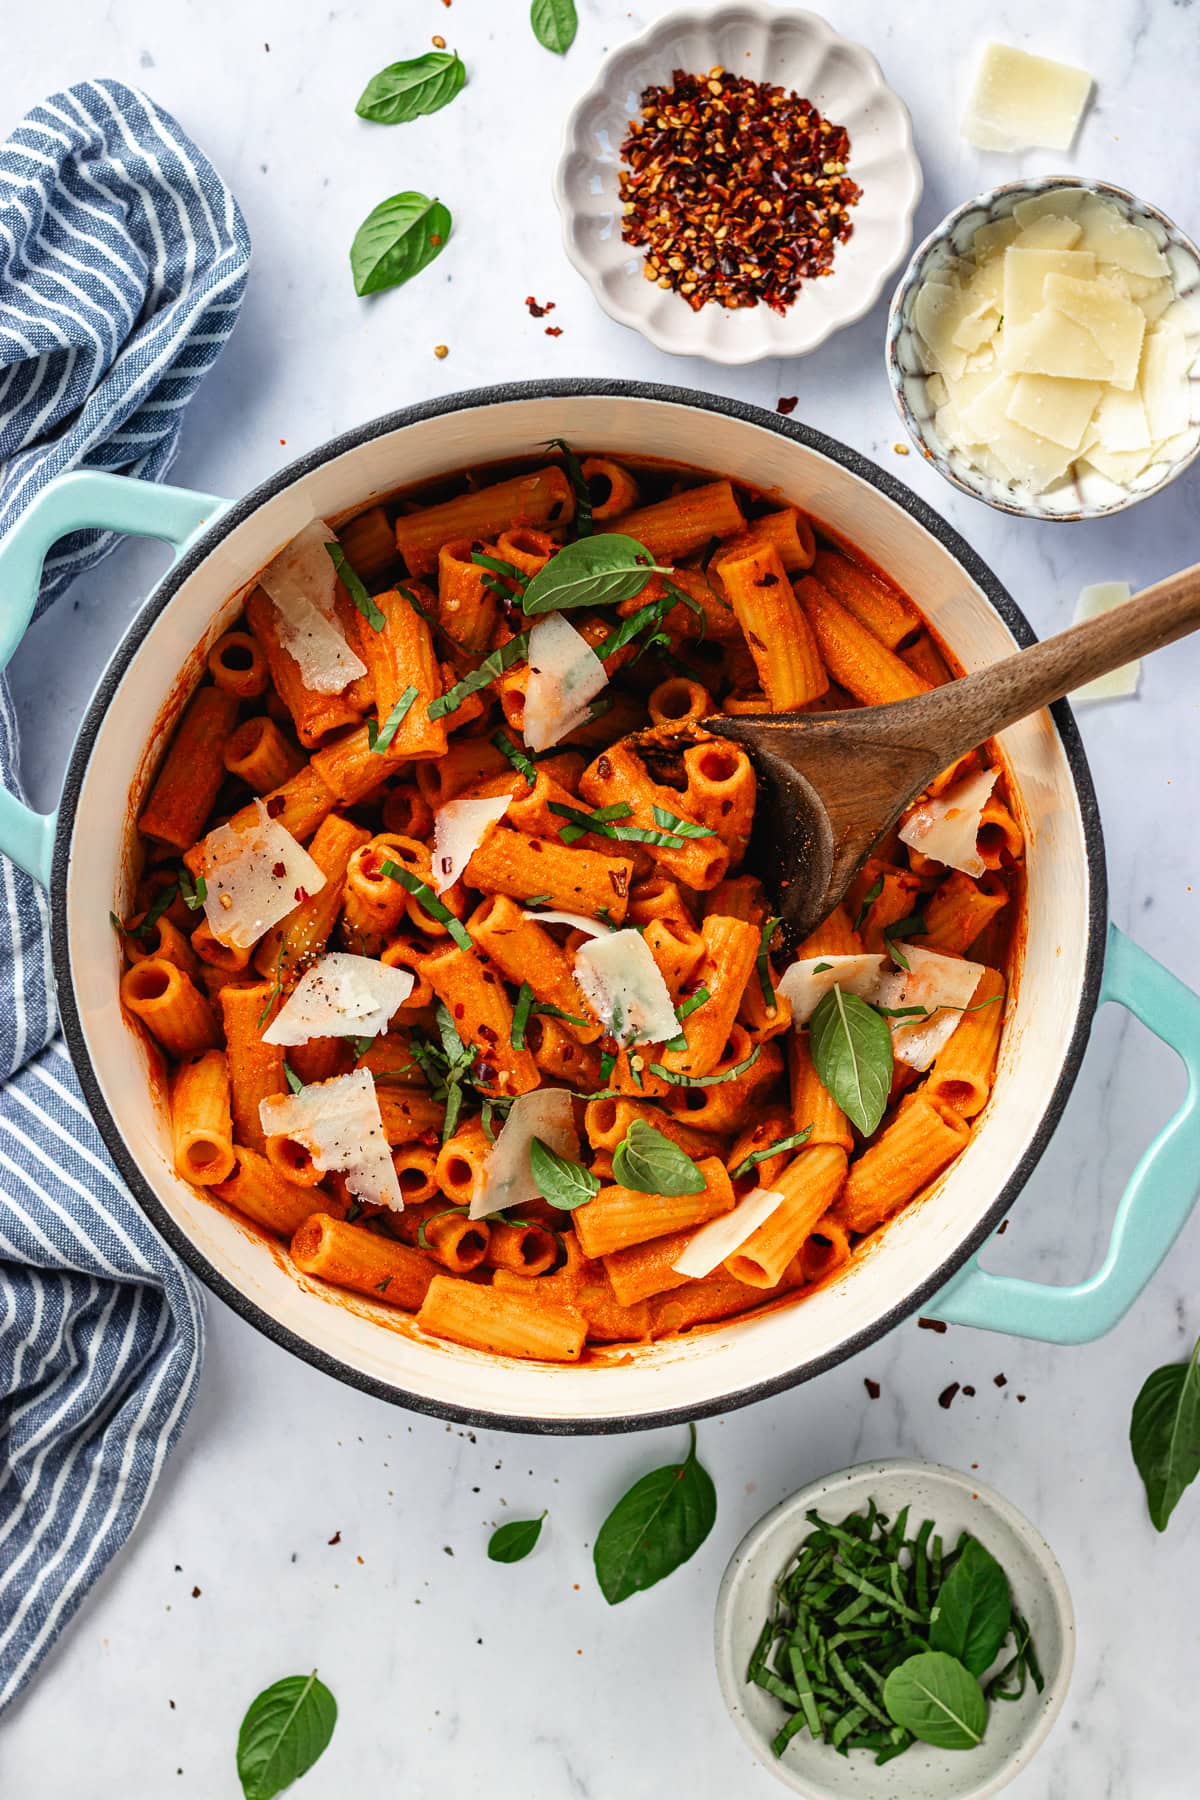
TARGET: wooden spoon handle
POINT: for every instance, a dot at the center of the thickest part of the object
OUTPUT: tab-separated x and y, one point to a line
965	713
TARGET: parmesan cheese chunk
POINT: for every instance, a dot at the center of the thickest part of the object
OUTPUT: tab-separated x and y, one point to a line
254	877
1025	455
946	827
339	1124
1113	239
1026	273
459	828
624	987
1020	101
1117	325
805	984
720	1238
1101	597
943	985
565	675
340	996
1052	344
302	583
1053	408
545	1113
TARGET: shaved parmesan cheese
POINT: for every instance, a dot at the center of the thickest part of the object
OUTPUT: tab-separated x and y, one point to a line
545	1113
340	996
1052	344
1117	325
1063	203
338	1123
1164	381
577	921
254	877
1049	231
935	982
717	1240
1026	273
1026	455
1120	421
302	583
937	313
1101	597
624	987
459	828
808	981
1113	239
1019	101
946	828
1058	410
565	675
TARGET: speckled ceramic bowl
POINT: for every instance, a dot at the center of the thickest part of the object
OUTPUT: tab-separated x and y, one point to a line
956	1503
1092	495
796	50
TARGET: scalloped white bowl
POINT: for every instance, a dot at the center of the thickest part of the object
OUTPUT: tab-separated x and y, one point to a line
795	50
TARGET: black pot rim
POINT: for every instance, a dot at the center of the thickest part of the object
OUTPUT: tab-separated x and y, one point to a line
235	515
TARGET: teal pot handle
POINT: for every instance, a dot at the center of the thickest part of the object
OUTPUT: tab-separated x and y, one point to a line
84	501
1154	1207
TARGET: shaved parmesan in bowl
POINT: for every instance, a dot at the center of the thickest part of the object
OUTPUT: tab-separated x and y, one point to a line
254	877
935	982
459	828
625	989
339	1124
807	982
302	584
946	827
340	996
720	1238
565	675
545	1113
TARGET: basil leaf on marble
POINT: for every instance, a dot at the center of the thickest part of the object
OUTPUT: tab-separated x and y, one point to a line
285	1730
1164	1435
397	239
512	1542
660	1523
554	24
405	90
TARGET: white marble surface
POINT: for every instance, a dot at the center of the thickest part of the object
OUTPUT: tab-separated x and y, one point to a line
452	1674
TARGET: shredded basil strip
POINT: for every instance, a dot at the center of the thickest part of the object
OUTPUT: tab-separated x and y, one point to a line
429	900
762	962
681	827
776	1149
600	821
380	741
521	1011
154	913
502	578
684	1011
868	900
584	525
522	763
678	1080
516	650
293	1080
353	585
912	926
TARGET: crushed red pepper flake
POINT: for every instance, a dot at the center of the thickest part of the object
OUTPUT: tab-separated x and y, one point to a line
787	403
554	331
736	189
931	1324
873	1388
537	311
946	1397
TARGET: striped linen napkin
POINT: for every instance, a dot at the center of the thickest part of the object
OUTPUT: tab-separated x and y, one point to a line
123	262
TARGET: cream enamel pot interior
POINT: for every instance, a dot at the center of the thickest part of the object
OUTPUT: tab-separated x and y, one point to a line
84	855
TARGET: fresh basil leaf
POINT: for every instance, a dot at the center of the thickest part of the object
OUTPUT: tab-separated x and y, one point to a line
405	90
852	1054
868	900
650	1163
354	585
681	827
719	1080
522	763
285	1730
399	238
381	741
512	1542
1164	1435
776	1149
593	571
554	24
655	1527
974	1609
583	494
939	1701
564	1183
516	650
429	900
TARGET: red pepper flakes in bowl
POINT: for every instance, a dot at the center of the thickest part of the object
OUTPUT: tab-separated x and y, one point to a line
736	189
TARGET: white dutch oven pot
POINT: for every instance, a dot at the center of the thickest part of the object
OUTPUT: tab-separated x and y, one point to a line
83	856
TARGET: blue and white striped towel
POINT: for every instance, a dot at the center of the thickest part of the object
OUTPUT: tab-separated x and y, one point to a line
123	262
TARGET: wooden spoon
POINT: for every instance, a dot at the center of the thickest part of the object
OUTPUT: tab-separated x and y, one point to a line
836	783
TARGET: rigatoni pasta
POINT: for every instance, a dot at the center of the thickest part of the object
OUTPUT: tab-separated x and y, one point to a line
488	1028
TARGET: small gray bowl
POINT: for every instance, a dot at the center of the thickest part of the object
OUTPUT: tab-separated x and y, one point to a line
1091	496
956	1503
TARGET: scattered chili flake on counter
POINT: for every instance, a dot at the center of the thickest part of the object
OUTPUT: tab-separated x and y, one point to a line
873	1388
536	311
737	189
787	403
554	331
946	1397
931	1324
